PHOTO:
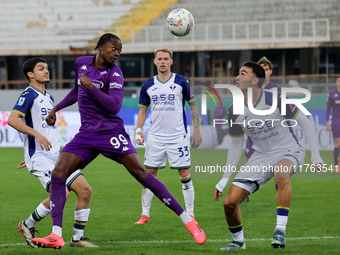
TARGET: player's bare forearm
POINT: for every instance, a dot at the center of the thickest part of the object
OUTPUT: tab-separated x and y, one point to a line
194	114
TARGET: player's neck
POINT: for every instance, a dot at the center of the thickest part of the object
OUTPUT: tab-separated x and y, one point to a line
38	86
256	93
163	77
266	82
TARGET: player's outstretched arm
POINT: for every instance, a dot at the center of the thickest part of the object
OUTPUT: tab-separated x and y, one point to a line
15	122
196	138
234	155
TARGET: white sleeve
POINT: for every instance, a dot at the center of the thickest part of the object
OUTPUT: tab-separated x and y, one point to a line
309	131
234	155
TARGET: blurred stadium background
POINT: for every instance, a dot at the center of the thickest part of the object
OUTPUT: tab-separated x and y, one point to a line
300	37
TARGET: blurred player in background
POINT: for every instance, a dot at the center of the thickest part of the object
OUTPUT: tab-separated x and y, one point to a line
99	92
41	146
166	94
277	154
333	109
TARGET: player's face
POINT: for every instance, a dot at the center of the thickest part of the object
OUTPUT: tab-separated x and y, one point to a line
267	70
163	61
245	79
40	73
110	51
338	83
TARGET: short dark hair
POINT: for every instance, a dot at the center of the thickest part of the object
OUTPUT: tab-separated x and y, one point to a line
257	70
30	63
106	37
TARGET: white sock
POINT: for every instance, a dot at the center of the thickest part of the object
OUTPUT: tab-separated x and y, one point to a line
188	194
238	236
81	218
185	217
39	213
147	196
281	223
57	230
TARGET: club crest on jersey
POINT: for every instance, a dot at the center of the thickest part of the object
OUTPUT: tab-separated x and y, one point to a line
98	84
21	101
104	72
173	87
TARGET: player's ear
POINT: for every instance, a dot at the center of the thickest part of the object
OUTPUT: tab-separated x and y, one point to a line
255	81
154	61
171	62
30	75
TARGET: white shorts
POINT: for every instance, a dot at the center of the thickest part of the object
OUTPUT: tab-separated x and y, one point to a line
177	153
41	167
261	167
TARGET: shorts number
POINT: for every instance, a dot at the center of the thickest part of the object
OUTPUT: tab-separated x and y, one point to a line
116	141
183	153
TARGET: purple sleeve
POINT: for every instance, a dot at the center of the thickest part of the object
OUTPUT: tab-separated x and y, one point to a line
329	106
112	102
70	99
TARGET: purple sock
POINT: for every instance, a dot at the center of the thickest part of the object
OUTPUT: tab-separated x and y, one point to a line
163	194
336	156
57	200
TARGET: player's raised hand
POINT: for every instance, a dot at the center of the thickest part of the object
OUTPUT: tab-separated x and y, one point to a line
44	143
217	194
86	81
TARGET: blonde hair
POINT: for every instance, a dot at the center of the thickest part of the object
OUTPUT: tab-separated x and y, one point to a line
164	50
265	61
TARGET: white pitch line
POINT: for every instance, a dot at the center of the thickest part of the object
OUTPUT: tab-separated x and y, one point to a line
192	241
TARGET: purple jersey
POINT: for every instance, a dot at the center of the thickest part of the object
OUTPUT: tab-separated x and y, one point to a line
333	106
271	85
99	106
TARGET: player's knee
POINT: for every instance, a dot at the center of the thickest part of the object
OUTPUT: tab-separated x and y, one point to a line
282	181
85	193
229	206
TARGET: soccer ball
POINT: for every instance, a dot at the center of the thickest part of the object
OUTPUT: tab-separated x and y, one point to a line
180	22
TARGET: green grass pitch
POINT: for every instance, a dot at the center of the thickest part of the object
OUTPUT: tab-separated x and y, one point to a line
313	225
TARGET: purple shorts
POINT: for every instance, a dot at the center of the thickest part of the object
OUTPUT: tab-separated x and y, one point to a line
113	144
336	129
249	149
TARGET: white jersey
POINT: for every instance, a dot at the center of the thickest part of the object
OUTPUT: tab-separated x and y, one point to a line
34	107
268	133
167	101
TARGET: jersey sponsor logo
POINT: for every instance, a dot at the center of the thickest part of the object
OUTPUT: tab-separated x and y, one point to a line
83	67
115	85
21	101
98	84
104	72
116	74
125	148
